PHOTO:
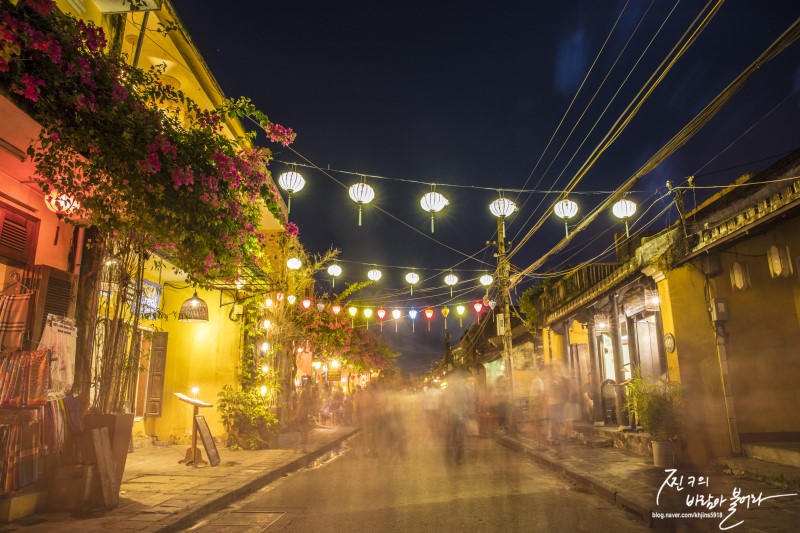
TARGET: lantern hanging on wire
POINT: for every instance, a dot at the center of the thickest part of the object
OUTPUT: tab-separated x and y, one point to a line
451	279
478	307
361	193
306	303
291	182
433	202
374	274
566	209
294	263
429	316
352	310
336	309
62	205
445	312
624	209
334	270
460	309
412	314
411	279
320	306
396	316
368	314
486	280
291	299
381	315
501	208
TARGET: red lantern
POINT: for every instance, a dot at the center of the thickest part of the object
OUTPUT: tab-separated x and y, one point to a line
478	306
336	308
429	315
306	303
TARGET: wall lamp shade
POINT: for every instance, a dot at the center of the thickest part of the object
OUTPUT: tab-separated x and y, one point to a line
194	310
291	182
433	202
361	193
502	207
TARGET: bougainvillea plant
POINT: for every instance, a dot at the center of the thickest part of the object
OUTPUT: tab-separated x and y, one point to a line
112	139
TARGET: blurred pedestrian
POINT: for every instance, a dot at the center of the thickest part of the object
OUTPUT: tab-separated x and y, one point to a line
537	407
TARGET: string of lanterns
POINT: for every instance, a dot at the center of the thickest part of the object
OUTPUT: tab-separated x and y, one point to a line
433	202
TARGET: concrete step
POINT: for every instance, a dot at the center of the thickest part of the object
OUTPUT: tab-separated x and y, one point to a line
598	442
783	453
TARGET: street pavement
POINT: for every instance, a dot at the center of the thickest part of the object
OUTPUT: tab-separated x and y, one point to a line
160	494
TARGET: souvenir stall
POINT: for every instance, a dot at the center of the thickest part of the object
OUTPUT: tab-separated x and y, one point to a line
37	415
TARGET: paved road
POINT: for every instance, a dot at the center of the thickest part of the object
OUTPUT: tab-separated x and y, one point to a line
492	490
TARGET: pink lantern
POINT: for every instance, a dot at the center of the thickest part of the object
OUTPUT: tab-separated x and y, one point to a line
336	308
478	306
306	303
381	314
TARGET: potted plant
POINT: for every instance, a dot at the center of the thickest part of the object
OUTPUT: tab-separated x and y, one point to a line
247	421
657	406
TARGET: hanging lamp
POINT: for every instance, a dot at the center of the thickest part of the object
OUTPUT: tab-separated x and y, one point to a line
334	270
566	209
624	209
291	182
433	202
451	279
361	193
411	279
194	309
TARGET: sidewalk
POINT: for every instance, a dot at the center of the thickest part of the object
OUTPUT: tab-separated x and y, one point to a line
632	483
158	494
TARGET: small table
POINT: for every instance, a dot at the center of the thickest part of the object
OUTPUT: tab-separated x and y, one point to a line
197	404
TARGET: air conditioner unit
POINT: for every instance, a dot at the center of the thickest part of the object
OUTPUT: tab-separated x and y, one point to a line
53	293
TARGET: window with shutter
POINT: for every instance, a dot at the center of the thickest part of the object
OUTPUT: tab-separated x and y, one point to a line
18	235
155	386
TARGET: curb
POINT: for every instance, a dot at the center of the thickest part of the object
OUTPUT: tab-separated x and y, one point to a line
613	494
185	519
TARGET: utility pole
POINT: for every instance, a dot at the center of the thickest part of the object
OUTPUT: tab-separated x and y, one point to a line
504	324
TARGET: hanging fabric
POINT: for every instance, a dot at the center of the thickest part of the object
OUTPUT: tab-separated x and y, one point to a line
13	320
60	336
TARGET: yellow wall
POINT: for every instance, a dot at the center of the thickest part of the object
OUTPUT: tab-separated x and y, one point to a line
764	335
684	315
203	355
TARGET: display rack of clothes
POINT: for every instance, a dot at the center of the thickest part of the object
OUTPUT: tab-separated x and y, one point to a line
59	336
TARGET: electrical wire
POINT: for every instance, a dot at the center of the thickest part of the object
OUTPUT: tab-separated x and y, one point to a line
687	132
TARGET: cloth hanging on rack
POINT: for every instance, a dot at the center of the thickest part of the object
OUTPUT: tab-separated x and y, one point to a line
60	336
13	320
24	378
19	448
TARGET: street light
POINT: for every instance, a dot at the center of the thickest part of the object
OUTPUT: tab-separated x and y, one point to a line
566	209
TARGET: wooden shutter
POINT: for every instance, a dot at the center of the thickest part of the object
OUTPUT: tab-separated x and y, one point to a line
53	290
155	385
18	235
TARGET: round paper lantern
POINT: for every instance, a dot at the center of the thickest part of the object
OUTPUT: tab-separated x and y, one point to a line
333	271
451	279
291	182
294	263
502	207
433	202
486	280
566	209
374	274
361	193
336	308
411	279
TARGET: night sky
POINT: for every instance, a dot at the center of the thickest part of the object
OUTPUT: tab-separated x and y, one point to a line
470	94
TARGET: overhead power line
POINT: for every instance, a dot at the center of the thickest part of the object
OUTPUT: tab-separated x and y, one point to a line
695	125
